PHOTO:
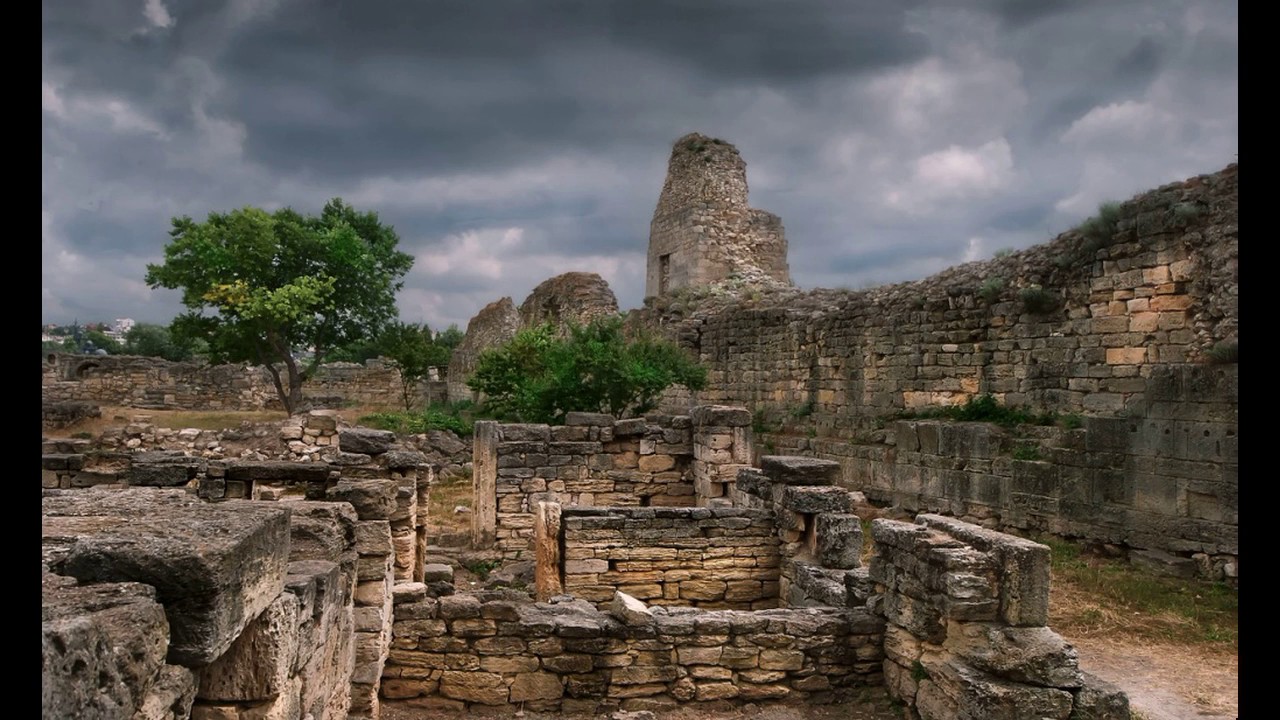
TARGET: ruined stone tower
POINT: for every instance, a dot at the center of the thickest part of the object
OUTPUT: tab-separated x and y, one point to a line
703	231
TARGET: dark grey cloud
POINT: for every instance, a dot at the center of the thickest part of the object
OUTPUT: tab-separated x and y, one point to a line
507	141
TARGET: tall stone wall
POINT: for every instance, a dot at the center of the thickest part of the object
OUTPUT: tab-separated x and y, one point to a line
703	231
495	324
1070	325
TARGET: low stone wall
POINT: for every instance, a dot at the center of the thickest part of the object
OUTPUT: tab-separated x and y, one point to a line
714	558
478	650
157	384
966	638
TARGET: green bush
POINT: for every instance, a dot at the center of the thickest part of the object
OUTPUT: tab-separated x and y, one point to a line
456	417
991	289
540	375
1224	353
1037	300
983	408
1100	230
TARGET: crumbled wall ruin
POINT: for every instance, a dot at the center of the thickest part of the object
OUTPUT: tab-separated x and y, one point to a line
495	324
703	231
569	298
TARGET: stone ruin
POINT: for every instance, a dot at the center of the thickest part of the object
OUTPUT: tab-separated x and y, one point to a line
569	298
703	579
703	230
708	554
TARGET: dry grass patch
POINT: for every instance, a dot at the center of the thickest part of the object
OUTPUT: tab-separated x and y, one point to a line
447	494
1107	598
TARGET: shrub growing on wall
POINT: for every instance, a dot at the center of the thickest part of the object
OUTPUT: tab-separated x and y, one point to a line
541	375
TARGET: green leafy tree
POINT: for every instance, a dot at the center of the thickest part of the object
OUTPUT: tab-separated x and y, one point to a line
98	340
541	375
413	351
260	286
157	341
449	338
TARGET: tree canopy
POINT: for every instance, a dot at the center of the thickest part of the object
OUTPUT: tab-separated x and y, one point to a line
260	286
541	375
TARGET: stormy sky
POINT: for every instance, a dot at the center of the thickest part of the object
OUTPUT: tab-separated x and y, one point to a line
508	141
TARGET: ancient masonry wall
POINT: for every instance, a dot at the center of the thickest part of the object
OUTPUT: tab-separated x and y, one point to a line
596	460
360	510
966	638
572	297
156	384
158	606
703	231
478	650
713	558
1139	325
1163	483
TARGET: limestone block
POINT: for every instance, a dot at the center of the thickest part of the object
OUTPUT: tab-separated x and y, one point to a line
816	499
215	566
1033	655
791	470
536	686
372	499
1098	699
720	415
839	538
101	645
287	473
170	695
257	664
979	695
477	687
629	610
365	440
321	531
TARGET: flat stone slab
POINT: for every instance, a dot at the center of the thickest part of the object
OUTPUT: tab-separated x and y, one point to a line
215	566
721	415
795	470
288	473
365	440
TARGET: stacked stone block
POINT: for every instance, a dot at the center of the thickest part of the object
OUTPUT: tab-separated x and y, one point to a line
820	539
465	651
190	609
714	558
966	637
722	447
592	460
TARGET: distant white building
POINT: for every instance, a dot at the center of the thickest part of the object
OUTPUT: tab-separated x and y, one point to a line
119	328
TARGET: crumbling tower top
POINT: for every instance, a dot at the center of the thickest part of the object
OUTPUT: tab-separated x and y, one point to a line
703	230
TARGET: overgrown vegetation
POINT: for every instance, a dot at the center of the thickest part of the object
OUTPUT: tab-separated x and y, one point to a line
541	375
482	568
1185	212
982	408
1003	253
1106	597
1036	300
1224	353
991	289
458	417
1026	451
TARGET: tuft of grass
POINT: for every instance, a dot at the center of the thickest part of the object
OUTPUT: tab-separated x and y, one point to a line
918	672
1036	300
457	418
1099	231
1003	252
991	289
82	435
803	410
1026	451
1185	212
482	568
1106	597
983	408
1224	353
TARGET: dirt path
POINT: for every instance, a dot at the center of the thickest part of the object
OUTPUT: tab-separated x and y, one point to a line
1166	682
